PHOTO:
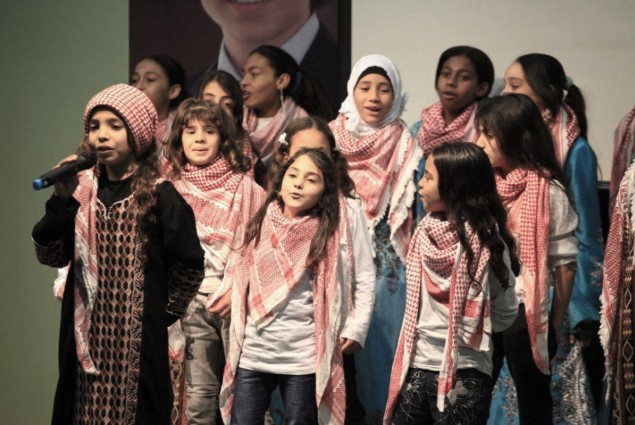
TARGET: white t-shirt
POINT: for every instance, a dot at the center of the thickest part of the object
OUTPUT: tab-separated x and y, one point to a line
432	326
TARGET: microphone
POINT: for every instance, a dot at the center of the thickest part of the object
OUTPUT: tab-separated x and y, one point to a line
84	160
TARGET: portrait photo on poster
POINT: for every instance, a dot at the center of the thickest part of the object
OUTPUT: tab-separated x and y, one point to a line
205	35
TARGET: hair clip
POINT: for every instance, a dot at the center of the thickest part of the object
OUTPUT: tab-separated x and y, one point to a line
282	139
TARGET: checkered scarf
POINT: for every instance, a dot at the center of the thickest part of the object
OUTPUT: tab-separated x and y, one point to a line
134	107
435	250
264	140
617	252
263	277
564	130
525	194
223	202
623	151
86	265
433	131
382	165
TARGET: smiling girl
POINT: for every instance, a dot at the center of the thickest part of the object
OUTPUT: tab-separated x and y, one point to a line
382	158
136	264
208	169
221	88
288	304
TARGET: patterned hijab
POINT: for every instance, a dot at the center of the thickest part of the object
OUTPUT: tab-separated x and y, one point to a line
381	159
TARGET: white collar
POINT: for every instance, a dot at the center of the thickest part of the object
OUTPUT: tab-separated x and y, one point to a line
296	46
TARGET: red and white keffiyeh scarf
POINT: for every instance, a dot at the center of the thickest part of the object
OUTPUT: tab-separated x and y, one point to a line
564	130
262	278
433	131
382	165
264	139
435	250
223	202
623	151
616	254
525	194
86	265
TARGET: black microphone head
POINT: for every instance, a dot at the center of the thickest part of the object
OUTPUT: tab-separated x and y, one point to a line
88	158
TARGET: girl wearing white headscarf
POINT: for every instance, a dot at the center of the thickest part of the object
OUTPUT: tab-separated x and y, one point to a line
382	158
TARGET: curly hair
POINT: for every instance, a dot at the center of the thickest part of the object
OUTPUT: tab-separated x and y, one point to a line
209	113
144	182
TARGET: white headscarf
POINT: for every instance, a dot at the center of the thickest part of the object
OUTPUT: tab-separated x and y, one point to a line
354	123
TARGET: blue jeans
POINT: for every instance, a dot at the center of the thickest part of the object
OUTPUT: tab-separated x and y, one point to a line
252	394
417	402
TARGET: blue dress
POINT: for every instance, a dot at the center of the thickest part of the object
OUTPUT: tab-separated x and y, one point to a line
572	400
374	362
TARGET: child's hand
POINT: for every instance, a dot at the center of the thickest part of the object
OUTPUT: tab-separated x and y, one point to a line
65	188
350	346
60	292
222	307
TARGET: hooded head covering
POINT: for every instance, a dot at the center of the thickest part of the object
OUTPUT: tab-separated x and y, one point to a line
134	107
354	123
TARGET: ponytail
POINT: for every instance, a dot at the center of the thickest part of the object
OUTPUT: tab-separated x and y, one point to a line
576	101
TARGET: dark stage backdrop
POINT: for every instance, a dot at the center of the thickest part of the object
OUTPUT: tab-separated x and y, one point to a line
182	29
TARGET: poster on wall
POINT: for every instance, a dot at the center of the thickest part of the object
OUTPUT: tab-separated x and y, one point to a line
205	35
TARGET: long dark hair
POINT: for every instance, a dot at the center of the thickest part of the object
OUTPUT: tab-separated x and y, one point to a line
327	210
281	154
548	80
482	64
175	73
522	135
231	86
305	90
204	112
475	201
143	184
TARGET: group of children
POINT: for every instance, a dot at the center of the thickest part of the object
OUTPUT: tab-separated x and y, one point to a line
236	242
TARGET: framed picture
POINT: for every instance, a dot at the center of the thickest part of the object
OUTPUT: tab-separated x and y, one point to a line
219	34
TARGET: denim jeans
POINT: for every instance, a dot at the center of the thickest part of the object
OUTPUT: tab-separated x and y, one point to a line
252	394
467	404
204	362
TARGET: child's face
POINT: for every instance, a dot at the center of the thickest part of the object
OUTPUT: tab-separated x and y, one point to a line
491	147
108	137
458	85
150	78
201	142
214	93
302	187
515	82
309	138
373	97
260	86
429	187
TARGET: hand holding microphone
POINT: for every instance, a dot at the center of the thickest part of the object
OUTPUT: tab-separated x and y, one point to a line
58	176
